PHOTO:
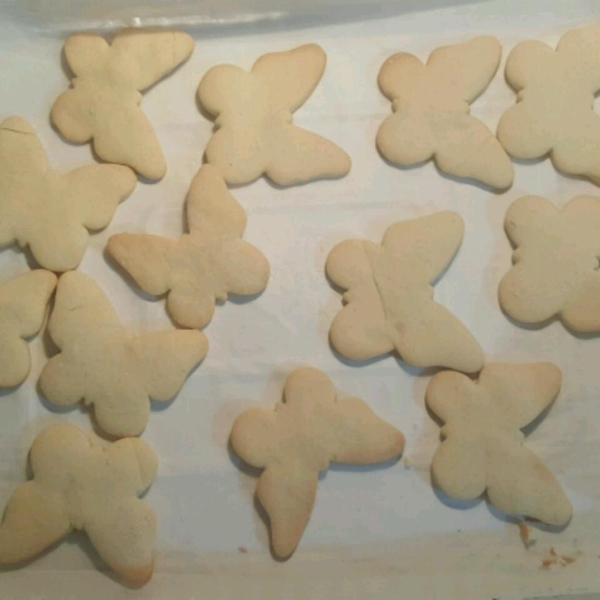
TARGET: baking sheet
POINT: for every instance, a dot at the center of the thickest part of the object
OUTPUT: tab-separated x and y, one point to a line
382	532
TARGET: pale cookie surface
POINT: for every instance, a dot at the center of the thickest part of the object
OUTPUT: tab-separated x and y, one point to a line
389	302
104	364
23	303
254	109
298	439
431	112
483	448
103	103
203	266
83	482
555	103
50	211
556	268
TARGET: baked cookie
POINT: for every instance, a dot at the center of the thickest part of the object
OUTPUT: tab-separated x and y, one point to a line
298	439
50	211
253	111
104	364
556	262
389	302
103	102
83	482
23	303
483	447
204	265
555	112
431	112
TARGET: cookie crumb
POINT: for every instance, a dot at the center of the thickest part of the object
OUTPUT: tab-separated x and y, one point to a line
526	534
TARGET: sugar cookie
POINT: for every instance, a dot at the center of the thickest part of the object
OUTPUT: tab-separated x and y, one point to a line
389	302
104	364
431	112
23	303
255	134
556	262
311	427
47	210
483	448
205	265
555	103
83	482
103	102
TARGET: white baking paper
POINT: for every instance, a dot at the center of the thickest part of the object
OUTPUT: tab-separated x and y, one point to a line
375	532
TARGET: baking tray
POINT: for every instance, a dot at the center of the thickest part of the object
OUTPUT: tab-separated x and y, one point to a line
380	532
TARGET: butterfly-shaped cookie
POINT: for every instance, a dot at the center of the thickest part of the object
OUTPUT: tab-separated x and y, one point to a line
483	448
205	265
389	302
83	482
554	113
255	134
50	211
556	262
431	112
103	103
311	427
23	303
104	364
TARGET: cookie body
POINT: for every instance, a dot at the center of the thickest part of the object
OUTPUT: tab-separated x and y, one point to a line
23	304
49	211
203	266
483	449
253	111
103	103
82	482
104	364
389	302
555	113
556	268
431	112
311	427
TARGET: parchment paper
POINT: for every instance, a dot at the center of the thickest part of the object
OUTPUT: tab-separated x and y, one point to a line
375	532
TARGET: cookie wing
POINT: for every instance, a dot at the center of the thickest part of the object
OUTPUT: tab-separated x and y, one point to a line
19	146
468	67
429	243
121	132
255	436
166	359
123	533
472	151
147	258
79	308
359	436
459	468
91	195
432	336
300	156
23	303
287	492
155	367
404	140
291	76
359	330
520	484
212	211
447	392
34	519
149	55
523	391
